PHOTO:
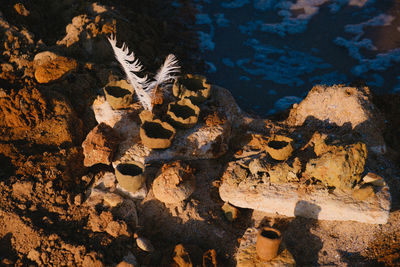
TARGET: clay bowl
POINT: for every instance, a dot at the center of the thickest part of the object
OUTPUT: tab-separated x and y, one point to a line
118	94
183	113
156	134
130	176
194	87
279	147
268	241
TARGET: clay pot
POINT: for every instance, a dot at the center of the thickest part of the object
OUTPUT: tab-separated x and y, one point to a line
268	241
279	147
183	113
118	94
194	87
154	133
130	176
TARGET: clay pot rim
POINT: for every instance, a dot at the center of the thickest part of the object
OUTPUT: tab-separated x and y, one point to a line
163	124
119	102
199	95
157	143
131	183
267	228
189	121
137	163
281	153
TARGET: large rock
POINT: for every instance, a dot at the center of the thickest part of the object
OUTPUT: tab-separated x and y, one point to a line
51	67
100	145
347	107
242	189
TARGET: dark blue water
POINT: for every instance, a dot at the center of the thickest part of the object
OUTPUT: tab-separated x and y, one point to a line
270	53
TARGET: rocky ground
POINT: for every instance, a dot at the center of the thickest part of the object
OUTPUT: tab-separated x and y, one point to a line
54	59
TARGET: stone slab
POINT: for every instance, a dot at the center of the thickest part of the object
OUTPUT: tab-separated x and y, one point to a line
290	199
246	255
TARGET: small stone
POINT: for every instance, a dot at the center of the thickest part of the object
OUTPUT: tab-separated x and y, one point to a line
231	212
363	192
21	9
34	255
112	199
100	145
50	67
144	244
78	200
182	257
374	179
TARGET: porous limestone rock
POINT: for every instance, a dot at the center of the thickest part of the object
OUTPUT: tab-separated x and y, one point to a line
347	107
340	167
245	190
246	255
50	67
203	141
124	121
100	145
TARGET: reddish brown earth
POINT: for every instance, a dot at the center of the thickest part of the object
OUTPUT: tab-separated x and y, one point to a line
45	117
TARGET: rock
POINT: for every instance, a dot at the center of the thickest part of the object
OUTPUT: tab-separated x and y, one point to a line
199	142
21	9
246	255
374	179
51	67
22	190
174	183
122	121
210	258
291	199
231	212
129	261
34	255
181	256
100	145
91	260
341	167
144	244
346	107
364	192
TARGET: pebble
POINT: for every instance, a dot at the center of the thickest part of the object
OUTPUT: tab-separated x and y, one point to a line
144	244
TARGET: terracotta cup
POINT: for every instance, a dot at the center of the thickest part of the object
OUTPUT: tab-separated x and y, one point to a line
268	241
130	176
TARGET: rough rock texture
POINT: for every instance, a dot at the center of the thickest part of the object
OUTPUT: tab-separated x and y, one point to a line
40	117
100	145
341	167
246	255
293	199
51	67
199	142
175	182
345	107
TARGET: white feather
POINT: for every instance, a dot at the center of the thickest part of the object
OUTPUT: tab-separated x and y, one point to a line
165	73
131	65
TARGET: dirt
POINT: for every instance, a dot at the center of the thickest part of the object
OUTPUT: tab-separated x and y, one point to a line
45	116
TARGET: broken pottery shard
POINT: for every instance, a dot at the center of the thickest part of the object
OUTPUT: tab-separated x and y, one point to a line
200	142
50	67
346	107
290	199
341	167
100	145
246	255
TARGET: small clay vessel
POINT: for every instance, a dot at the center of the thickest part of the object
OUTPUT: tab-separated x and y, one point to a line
130	176
118	94
192	86
268	241
154	133
183	113
279	147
